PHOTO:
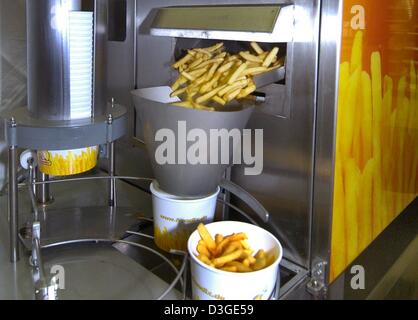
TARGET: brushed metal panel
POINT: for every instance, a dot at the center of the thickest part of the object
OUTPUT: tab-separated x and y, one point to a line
155	54
257	22
152	65
48	61
100	58
285	187
130	160
121	66
326	124
49	58
232	18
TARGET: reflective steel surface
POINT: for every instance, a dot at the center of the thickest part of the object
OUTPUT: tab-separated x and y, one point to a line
48	58
285	187
295	122
92	271
100	97
237	23
325	139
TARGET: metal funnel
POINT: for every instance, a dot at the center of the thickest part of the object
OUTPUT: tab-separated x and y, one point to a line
183	178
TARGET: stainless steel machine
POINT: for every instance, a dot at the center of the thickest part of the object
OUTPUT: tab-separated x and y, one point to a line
297	117
141	40
134	45
67	109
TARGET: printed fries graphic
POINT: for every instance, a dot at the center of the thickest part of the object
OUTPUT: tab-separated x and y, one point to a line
174	240
211	77
376	172
67	163
231	253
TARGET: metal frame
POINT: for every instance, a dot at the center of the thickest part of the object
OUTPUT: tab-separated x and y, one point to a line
13	202
282	31
287	119
49	55
25	132
328	47
290	105
301	275
46	288
22	131
286	186
325	140
13	156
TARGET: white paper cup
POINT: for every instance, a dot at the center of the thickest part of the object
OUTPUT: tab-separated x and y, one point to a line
175	218
212	284
68	162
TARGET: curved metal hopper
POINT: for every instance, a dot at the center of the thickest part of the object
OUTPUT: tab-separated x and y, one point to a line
181	177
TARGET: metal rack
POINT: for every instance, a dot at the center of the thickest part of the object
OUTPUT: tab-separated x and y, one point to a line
23	131
46	288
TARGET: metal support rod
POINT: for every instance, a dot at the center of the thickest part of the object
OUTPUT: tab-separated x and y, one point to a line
185	275
43	190
180	275
33	199
13	202
38	262
226	197
112	222
112	167
238	210
95	178
45	286
32	175
36	258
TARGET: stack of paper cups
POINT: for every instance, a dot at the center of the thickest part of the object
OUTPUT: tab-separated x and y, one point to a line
81	63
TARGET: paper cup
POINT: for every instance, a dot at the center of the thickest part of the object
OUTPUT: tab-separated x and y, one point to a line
175	218
81	38
67	163
212	284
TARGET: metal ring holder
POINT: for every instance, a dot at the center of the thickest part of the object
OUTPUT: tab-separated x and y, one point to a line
46	288
181	274
24	132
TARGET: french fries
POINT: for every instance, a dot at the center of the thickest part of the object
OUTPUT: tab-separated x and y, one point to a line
210	78
257	48
207	238
270	57
231	253
251	58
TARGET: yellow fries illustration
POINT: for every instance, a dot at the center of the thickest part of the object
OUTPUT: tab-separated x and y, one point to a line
377	153
66	163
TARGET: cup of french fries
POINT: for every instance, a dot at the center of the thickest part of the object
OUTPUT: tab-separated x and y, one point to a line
211	79
175	218
234	261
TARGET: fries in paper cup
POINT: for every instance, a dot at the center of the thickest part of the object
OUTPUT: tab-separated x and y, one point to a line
229	252
233	261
